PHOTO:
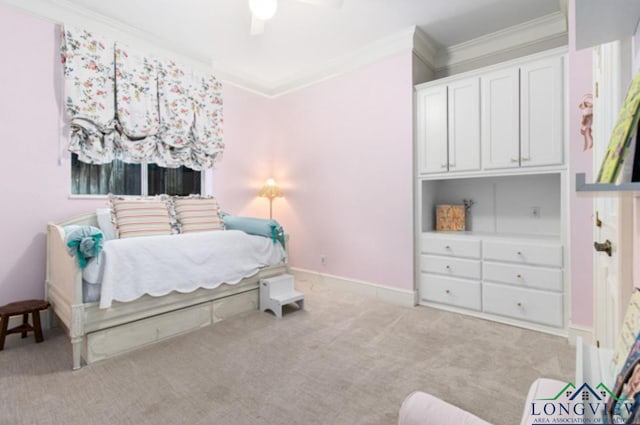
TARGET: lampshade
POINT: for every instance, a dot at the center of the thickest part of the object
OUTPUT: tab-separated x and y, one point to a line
263	9
270	190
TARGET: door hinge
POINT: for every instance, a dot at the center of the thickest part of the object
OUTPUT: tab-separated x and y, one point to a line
597	91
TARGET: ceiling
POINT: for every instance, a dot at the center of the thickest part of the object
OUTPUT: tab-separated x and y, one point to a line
302	37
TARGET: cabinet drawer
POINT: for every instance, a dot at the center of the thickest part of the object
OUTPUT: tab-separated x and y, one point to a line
524	252
524	304
527	276
446	290
443	245
450	266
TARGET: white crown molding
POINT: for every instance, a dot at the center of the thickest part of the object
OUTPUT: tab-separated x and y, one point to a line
424	49
547	29
401	42
66	12
536	31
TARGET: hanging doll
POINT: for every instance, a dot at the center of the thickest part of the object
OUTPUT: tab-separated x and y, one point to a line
586	107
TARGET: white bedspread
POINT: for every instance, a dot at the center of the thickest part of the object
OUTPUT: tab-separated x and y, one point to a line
157	265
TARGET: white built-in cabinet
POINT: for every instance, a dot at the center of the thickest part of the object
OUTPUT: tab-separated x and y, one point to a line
449	119
503	118
497	136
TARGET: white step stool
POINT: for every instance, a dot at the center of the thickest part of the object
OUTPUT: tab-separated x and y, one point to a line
278	291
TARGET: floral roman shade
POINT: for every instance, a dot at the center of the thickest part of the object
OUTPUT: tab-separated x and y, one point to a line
90	89
128	106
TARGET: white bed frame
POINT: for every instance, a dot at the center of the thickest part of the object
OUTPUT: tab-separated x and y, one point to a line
98	334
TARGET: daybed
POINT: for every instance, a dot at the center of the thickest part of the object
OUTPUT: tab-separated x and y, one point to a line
98	334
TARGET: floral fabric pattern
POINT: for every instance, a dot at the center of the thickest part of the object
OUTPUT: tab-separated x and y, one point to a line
207	129
126	106
90	88
136	104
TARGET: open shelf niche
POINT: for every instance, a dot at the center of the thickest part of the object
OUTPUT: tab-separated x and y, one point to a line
528	205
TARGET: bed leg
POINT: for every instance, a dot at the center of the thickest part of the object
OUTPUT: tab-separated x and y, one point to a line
76	344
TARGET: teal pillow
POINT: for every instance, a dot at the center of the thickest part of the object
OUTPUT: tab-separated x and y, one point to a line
255	226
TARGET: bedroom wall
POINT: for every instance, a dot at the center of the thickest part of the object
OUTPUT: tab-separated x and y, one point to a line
343	148
581	205
34	185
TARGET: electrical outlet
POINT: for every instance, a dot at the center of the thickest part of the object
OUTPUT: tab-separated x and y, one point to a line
323	260
535	212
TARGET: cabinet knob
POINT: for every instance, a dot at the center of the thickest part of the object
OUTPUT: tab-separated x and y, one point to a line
447	247
452	164
519	276
447	291
443	165
526	158
519	305
519	252
514	160
448	267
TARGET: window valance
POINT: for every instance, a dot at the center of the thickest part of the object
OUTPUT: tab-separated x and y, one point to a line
125	105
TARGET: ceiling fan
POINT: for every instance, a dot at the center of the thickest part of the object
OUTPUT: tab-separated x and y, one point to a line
263	10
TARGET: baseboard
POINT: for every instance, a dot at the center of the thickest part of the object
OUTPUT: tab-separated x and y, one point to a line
380	292
583	331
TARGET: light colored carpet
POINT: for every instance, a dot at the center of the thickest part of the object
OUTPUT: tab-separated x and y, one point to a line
345	360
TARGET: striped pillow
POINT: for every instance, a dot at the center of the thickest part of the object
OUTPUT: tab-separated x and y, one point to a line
138	217
197	214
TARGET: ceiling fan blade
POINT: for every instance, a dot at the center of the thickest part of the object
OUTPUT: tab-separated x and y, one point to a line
330	3
257	26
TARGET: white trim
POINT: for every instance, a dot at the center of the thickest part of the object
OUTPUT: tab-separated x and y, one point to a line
547	29
424	49
550	30
65	11
575	331
383	293
401	42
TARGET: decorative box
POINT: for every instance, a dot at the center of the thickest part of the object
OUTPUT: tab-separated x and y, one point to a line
450	217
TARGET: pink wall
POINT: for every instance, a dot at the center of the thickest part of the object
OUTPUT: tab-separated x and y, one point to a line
344	149
34	189
248	157
581	206
341	150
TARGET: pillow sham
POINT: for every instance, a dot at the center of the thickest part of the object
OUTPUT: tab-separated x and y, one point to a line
197	214
141	217
106	224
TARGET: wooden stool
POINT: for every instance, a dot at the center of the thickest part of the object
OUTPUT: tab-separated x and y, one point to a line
23	308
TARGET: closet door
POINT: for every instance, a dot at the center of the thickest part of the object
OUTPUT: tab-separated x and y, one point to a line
500	119
541	113
464	125
431	130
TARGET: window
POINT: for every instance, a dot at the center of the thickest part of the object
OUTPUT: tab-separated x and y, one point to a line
132	179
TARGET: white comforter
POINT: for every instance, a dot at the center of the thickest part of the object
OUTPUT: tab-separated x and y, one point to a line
157	265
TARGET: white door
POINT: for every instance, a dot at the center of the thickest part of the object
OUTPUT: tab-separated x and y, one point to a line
542	114
501	119
431	130
464	125
612	275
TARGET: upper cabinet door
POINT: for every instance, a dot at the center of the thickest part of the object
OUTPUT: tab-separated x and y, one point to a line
431	129
541	113
464	125
500	119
